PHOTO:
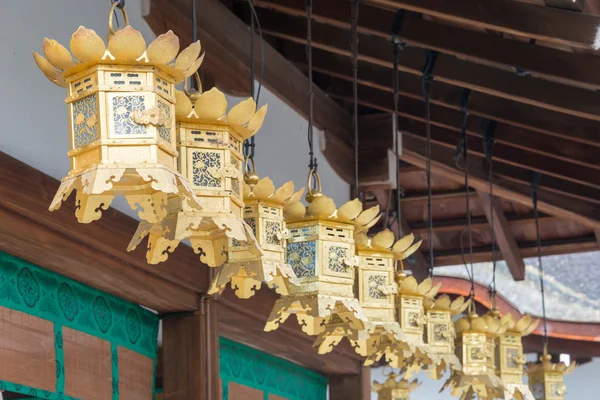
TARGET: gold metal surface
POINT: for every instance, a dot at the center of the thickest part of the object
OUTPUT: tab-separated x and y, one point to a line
263	212
510	359
321	251
475	347
546	379
395	389
210	144
441	333
122	119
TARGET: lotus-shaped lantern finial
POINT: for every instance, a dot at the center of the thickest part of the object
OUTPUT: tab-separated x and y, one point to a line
125	47
265	190
523	327
487	324
445	303
211	107
324	208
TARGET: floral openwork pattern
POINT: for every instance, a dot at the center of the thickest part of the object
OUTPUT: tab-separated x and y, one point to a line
164	131
301	256
272	231
203	162
336	259
85	121
375	283
123	107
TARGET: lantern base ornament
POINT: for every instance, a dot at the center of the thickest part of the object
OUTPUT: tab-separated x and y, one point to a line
246	277
209	234
314	312
518	391
484	387
145	189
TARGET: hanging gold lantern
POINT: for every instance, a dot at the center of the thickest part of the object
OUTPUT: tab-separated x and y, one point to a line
393	389
475	347
546	379
411	316
377	291
441	333
321	251
121	112
210	145
511	359
264	213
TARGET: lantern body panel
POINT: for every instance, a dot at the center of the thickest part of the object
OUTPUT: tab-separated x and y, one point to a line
547	385
411	315
375	275
317	251
121	141
321	254
246	268
211	160
440	331
510	358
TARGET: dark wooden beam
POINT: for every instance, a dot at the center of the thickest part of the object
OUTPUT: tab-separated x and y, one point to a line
448	68
351	387
225	39
535	22
482	105
513	163
550	247
550	203
506	242
94	253
577	69
458	225
190	349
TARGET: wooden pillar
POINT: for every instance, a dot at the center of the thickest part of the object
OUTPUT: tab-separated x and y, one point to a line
351	387
191	354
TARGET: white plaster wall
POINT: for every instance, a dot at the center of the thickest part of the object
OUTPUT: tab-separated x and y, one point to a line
34	116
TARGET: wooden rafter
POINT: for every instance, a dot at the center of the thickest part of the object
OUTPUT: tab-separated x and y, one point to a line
483	105
567	67
515	164
535	22
448	68
506	242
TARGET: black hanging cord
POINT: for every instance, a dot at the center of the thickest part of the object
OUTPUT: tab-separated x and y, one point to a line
535	185
354	46
488	146
426	86
462	150
120	7
313	161
250	144
396	52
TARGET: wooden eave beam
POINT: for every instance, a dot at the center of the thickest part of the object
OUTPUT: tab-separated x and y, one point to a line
448	69
482	105
550	203
506	242
511	17
225	39
514	164
94	253
577	69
